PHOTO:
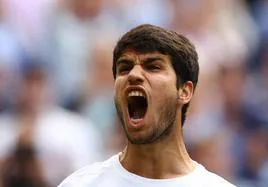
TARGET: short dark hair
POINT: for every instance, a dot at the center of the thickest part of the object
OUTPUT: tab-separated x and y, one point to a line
148	38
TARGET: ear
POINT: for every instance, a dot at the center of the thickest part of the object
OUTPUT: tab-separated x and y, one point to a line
185	93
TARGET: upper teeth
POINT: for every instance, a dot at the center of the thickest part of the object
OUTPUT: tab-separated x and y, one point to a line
136	93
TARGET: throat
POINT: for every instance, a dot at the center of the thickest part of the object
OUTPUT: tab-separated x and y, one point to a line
156	164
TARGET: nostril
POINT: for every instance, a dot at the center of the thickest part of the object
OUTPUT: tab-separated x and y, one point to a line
134	80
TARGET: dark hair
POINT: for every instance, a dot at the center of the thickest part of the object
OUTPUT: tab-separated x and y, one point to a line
148	38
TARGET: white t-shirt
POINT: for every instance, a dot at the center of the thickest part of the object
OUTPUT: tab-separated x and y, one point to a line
111	173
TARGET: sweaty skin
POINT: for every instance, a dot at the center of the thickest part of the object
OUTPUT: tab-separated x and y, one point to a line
155	142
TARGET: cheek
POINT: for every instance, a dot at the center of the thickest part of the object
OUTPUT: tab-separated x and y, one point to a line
163	89
164	84
118	88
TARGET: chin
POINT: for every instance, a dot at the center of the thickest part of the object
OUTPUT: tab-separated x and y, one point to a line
141	138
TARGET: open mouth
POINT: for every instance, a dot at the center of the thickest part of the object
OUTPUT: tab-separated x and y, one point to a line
137	105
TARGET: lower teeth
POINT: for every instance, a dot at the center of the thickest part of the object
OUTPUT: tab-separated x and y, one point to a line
136	115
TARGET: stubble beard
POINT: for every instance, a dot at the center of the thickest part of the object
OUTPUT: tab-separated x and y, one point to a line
159	131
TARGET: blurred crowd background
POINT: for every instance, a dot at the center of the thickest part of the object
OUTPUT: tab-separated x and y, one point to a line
56	85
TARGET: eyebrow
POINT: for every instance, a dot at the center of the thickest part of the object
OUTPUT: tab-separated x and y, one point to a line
145	60
151	59
124	61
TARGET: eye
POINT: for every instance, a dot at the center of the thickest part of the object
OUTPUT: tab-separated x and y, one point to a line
153	67
123	69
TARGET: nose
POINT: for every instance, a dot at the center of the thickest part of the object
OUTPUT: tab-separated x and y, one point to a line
135	76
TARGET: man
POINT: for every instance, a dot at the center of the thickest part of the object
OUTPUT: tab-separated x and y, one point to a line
156	72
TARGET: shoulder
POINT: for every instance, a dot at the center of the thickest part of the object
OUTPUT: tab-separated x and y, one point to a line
212	179
87	174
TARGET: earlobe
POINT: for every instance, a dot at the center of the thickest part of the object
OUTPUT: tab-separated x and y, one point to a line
185	92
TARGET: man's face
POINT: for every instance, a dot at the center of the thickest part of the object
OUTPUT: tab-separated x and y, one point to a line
145	95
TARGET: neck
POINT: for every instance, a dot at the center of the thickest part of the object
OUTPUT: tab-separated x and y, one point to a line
160	160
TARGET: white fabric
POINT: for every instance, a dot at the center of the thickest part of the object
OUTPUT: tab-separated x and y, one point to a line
111	173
